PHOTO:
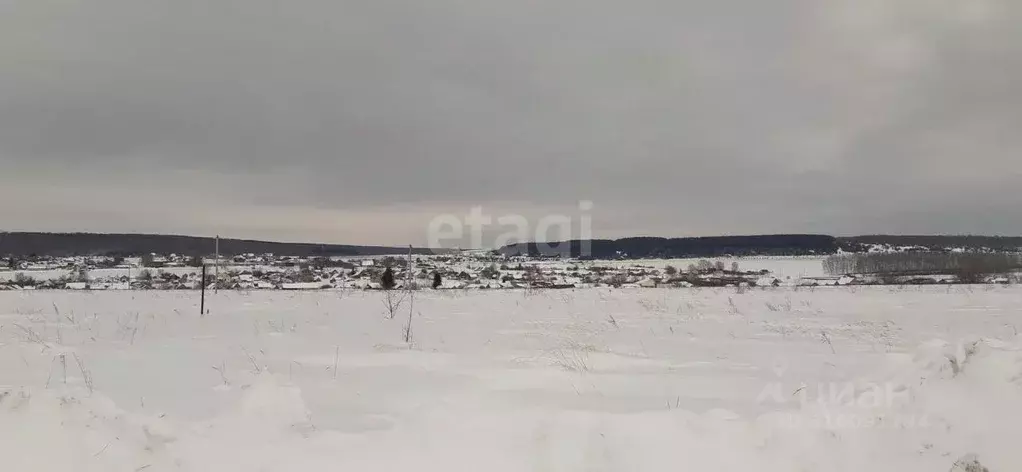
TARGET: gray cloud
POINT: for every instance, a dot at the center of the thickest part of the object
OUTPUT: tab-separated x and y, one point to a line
358	121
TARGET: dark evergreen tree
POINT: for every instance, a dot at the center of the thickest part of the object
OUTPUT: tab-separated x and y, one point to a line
437	281
387	280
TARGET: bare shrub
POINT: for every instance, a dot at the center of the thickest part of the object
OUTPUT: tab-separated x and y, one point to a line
222	370
86	373
407	330
572	356
968	463
23	280
888	279
612	320
490	272
826	339
392	301
617	280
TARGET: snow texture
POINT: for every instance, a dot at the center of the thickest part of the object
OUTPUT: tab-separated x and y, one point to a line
779	379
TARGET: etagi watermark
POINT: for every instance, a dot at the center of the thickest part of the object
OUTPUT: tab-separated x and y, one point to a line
551	233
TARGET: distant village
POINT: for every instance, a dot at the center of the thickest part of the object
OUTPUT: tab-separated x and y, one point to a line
468	270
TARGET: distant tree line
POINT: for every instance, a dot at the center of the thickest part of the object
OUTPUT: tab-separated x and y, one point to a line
648	247
21	244
968	266
760	245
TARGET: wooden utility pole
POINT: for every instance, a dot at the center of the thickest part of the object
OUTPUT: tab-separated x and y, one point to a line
411	295
216	268
202	300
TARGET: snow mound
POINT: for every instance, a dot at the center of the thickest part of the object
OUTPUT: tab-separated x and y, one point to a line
74	430
50	431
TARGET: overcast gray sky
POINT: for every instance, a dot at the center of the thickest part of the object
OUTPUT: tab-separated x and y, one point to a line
359	121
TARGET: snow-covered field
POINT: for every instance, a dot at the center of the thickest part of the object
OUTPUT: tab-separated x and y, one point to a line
778	379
